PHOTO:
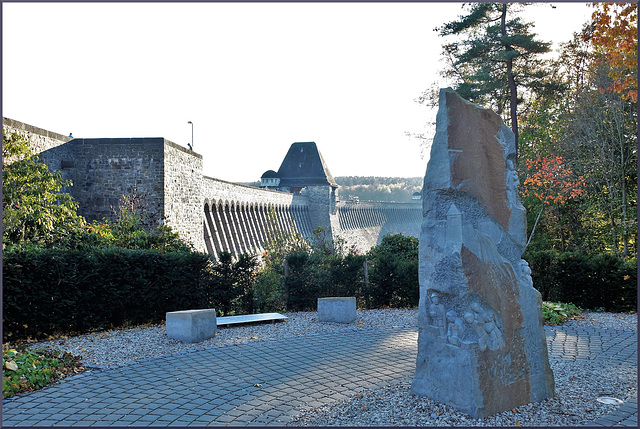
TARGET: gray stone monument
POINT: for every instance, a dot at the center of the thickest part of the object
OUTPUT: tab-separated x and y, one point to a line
481	344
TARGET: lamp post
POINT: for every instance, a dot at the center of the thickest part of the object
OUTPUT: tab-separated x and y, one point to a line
191	147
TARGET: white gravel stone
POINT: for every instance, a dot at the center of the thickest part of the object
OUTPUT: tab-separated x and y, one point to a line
120	347
626	321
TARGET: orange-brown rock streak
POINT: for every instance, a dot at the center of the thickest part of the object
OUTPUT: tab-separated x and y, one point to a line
502	374
480	168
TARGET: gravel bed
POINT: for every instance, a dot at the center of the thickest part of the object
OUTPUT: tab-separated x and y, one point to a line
120	347
578	383
625	321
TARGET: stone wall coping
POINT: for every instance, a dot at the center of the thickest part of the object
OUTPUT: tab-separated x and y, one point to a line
207	311
182	148
253	188
413	204
136	140
33	129
119	140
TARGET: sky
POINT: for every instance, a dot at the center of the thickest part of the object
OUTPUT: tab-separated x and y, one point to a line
253	78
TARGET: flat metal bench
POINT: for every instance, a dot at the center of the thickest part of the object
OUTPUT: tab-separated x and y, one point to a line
250	318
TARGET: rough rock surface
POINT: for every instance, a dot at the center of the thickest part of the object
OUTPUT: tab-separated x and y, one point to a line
481	345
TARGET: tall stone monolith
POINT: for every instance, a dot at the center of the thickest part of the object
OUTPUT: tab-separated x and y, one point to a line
481	344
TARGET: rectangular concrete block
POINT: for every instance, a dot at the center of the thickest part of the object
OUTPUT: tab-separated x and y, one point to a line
337	309
191	326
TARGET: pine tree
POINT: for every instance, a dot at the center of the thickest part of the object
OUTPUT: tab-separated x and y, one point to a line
496	56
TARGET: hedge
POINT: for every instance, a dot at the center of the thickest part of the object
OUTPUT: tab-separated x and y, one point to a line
393	276
394	272
313	276
47	291
595	282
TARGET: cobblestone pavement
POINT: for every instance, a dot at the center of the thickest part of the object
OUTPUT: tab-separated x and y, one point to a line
267	383
609	346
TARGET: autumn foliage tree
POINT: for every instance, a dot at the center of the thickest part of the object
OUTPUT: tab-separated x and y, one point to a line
550	181
592	124
614	34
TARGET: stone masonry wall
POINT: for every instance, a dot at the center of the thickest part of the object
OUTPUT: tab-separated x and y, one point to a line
212	214
39	139
216	191
183	193
106	169
322	204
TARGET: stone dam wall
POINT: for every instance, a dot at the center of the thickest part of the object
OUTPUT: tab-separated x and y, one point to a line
239	218
212	214
363	224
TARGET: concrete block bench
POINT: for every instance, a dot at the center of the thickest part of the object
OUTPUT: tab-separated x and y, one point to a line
337	309
191	326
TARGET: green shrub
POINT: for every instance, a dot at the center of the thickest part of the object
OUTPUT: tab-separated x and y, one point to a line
628	295
544	279
27	370
348	276
556	313
124	236
590	281
325	268
47	291
300	291
328	269
394	272
59	290
33	208
268	291
231	284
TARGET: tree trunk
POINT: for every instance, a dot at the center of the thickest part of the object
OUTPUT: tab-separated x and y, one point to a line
623	184
625	230
513	91
286	283
534	227
562	238
365	266
612	219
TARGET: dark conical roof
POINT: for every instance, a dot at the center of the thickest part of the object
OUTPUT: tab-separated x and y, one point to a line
304	166
269	174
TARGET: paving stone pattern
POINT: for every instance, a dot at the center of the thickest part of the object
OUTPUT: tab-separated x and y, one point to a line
609	346
267	383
